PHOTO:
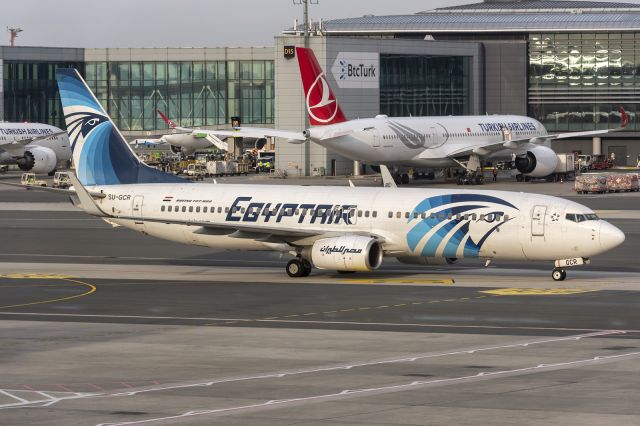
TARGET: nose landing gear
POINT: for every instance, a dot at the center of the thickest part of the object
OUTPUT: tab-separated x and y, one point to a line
299	267
558	274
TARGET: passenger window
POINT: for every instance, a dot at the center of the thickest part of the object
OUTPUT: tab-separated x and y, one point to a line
366	213
406	215
198	209
449	216
169	209
424	215
390	215
190	209
161	208
219	209
204	209
226	210
297	212
359	213
505	217
416	215
474	216
440	216
242	210
432	216
184	209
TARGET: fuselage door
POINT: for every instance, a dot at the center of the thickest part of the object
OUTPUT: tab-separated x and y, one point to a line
376	137
136	208
537	220
435	137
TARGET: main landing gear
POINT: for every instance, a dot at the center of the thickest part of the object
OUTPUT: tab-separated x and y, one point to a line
298	267
558	274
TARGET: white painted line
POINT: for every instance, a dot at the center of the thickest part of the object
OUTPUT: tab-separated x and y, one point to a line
10	395
251	320
281	374
384	389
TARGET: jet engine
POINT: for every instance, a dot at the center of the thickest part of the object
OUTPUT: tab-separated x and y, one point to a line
347	253
431	261
539	161
176	149
39	160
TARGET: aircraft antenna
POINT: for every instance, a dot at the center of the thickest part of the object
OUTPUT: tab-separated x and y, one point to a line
13	33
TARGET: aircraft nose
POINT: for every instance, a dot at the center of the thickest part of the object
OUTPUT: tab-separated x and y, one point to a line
610	236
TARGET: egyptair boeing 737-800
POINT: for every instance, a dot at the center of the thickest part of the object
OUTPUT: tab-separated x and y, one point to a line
335	228
429	142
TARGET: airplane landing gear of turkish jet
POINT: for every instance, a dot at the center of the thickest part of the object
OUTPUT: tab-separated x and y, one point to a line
298	267
558	274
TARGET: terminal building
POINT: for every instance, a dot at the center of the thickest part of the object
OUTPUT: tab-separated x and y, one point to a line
568	64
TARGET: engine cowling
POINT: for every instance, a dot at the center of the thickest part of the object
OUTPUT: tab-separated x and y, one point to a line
176	149
39	160
433	261
539	161
347	253
260	143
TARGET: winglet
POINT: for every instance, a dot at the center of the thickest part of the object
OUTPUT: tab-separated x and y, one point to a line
387	179
166	120
86	201
624	117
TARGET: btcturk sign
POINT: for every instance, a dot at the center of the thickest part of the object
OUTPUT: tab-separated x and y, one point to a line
357	70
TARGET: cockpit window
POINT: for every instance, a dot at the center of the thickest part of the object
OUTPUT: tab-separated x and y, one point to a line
577	217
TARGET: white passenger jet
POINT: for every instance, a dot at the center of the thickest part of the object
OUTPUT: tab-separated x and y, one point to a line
335	228
428	142
33	147
186	141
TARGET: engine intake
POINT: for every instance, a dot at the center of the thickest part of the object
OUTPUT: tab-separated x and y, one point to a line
38	159
539	161
347	253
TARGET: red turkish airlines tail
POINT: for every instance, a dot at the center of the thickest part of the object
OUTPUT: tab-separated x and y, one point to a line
320	101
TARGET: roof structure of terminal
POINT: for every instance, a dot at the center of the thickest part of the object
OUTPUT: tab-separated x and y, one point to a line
498	16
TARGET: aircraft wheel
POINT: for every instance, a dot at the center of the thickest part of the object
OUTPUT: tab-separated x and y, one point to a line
295	268
52	172
558	274
519	177
306	268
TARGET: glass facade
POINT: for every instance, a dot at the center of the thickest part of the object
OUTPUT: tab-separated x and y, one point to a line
190	93
578	81
421	85
31	91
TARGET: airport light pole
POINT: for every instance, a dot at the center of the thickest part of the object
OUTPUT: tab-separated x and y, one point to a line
305	13
13	33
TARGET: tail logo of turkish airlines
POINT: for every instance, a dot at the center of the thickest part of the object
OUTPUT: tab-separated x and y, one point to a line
321	103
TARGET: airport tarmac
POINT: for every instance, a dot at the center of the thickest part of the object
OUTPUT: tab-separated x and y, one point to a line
102	326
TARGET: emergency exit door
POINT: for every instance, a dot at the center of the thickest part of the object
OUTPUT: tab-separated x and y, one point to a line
136	207
537	220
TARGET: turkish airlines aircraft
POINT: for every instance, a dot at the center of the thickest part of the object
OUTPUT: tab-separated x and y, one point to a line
429	142
33	147
336	228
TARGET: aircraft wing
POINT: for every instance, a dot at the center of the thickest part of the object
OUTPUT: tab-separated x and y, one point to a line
255	132
11	145
93	194
27	141
518	144
147	142
238	132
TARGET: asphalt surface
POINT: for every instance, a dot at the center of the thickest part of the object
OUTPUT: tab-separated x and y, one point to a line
102	325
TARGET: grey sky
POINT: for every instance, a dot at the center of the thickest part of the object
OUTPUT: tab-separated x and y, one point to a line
185	23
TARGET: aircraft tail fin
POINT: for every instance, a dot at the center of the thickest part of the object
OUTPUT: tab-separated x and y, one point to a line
320	101
166	120
101	154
